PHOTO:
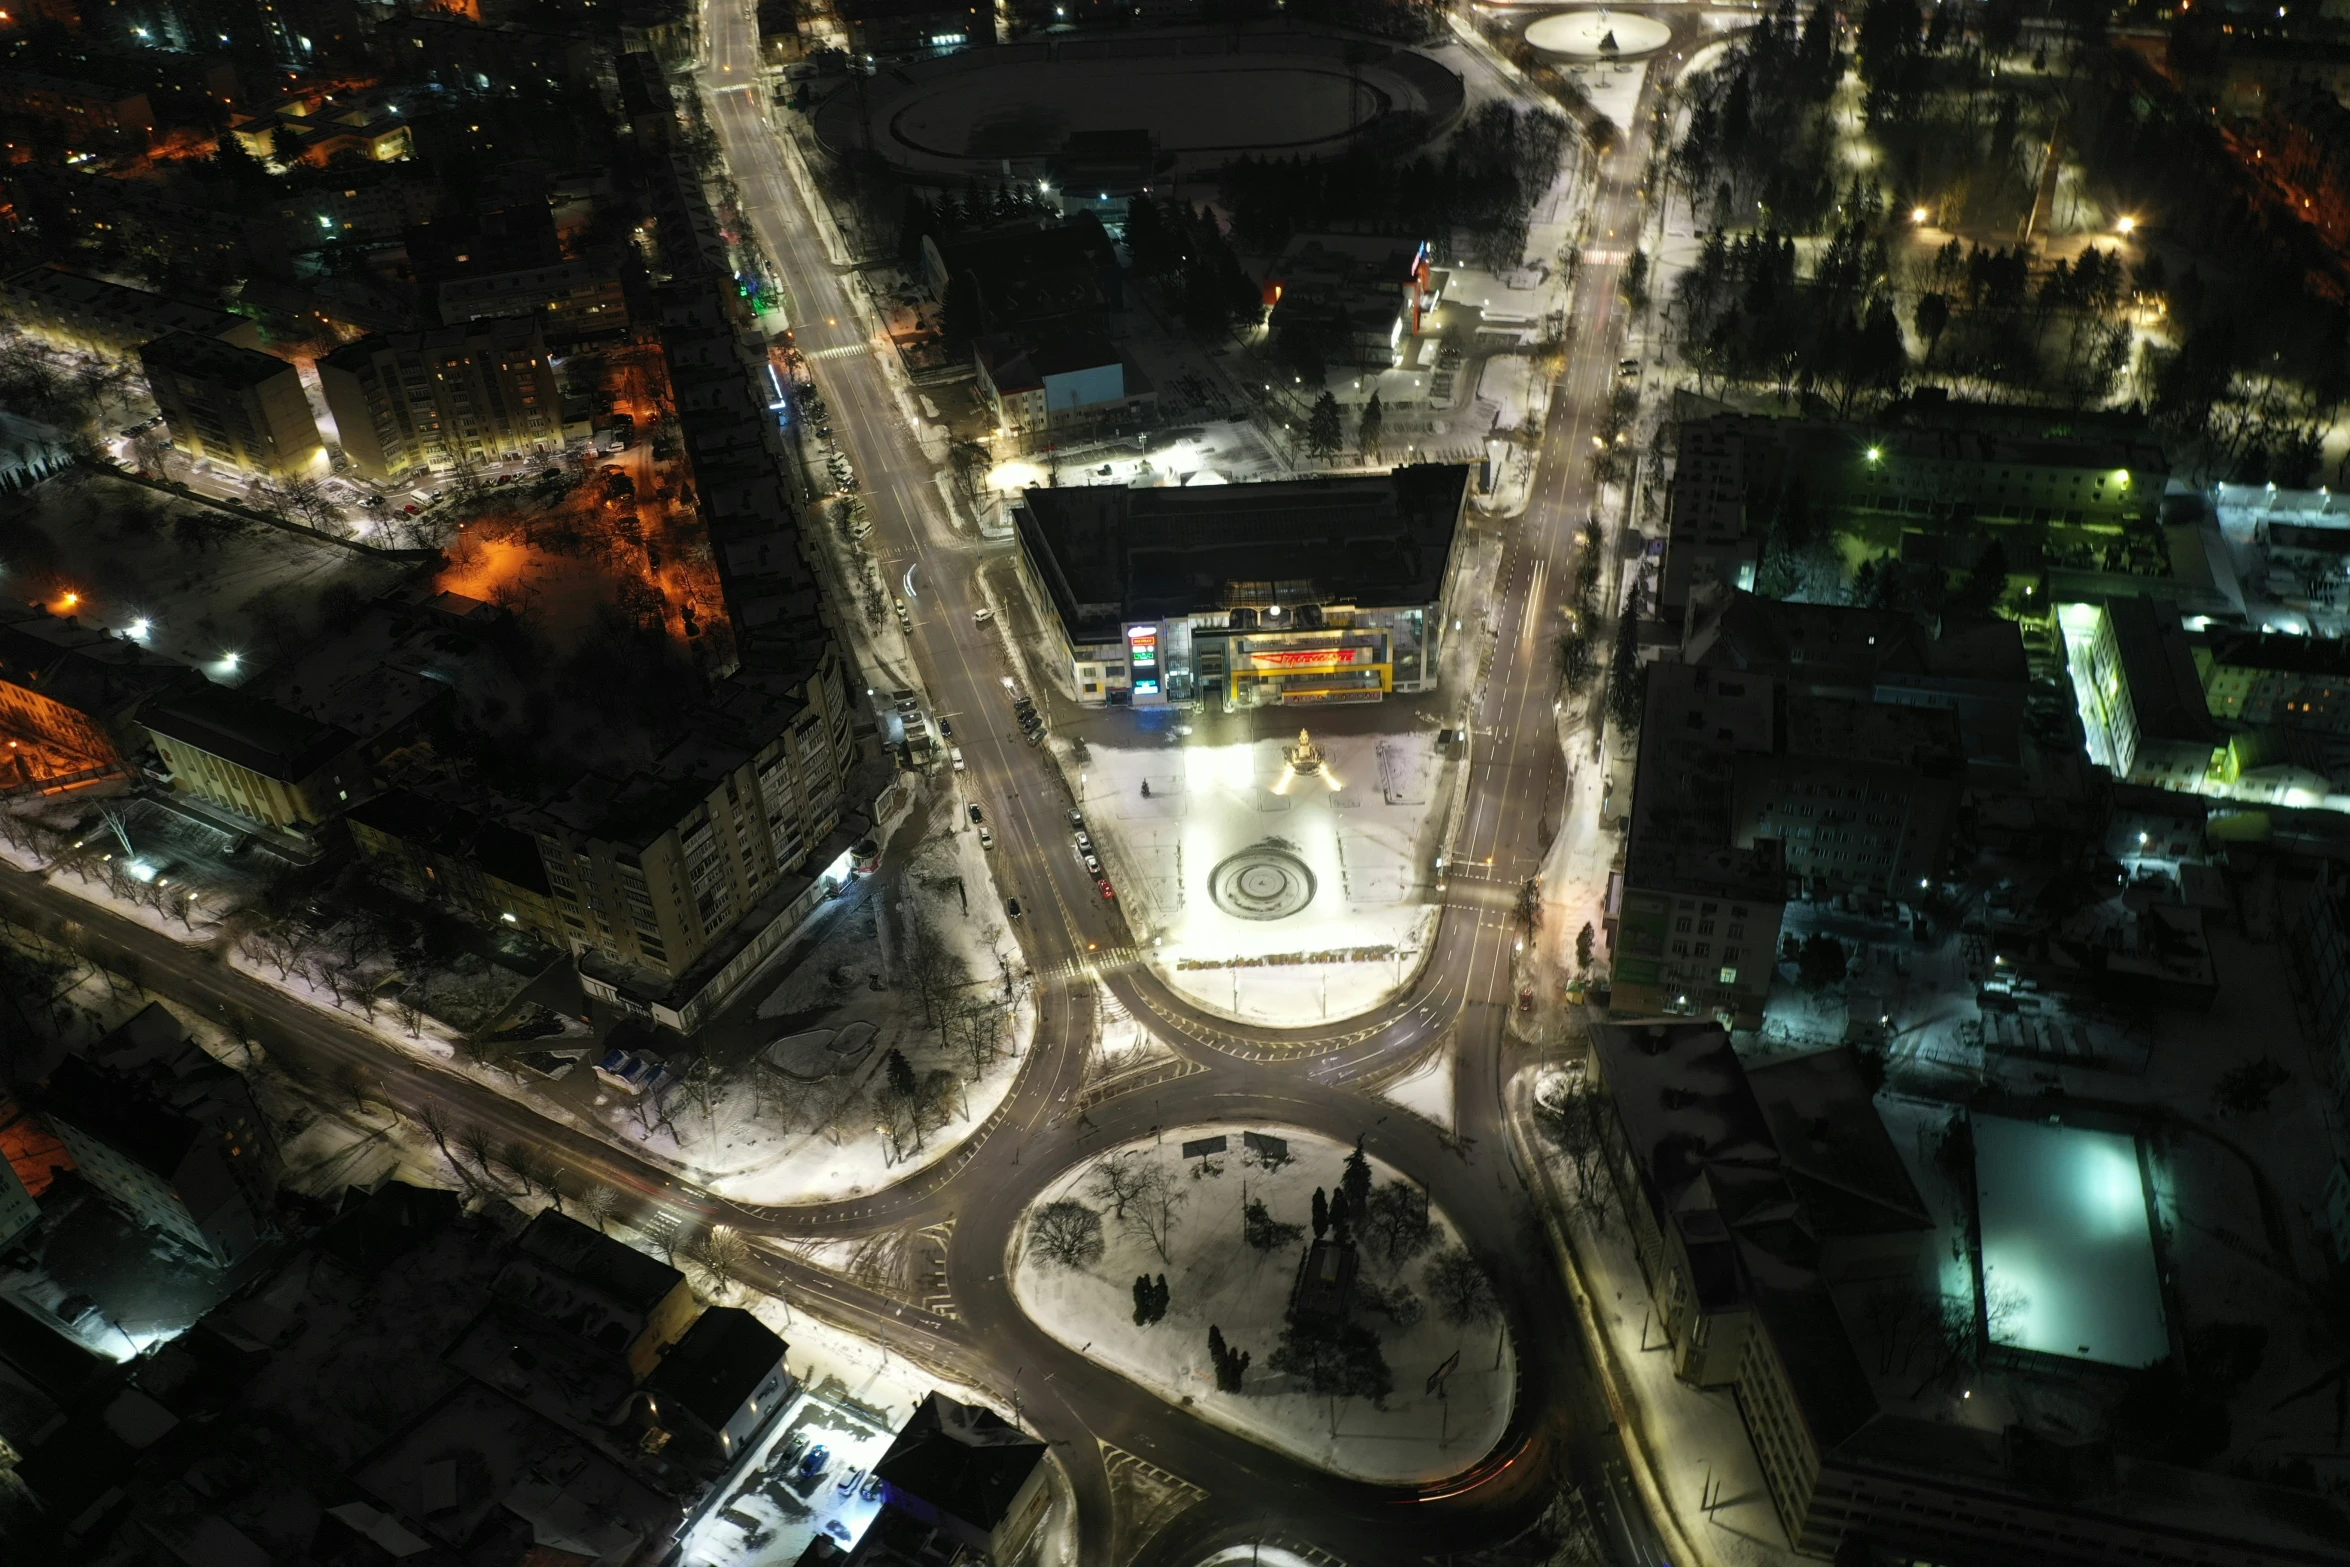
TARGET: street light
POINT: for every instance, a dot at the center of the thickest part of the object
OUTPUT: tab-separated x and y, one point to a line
2125	225
1918	214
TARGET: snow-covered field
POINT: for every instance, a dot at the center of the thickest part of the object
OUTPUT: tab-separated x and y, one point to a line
1426	1090
1213	1277
1364	833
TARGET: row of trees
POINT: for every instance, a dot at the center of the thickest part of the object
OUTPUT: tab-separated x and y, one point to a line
1759	139
1186	251
1494	169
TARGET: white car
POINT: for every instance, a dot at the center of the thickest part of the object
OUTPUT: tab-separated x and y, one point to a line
986	839
983	613
956	756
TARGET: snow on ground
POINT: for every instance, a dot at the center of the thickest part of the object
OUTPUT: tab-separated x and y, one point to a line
1426	1090
780	1137
1612	87
1358	840
1212	1277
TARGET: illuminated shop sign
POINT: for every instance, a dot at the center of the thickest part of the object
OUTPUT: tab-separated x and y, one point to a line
1142	653
1311	658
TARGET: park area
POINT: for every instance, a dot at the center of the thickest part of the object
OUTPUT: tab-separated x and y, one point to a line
1283	1286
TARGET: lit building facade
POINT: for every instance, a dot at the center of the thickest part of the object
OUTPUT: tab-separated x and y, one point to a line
256	758
232	405
94	316
452	396
1302	593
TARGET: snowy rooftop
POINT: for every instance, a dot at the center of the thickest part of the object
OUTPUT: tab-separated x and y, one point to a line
2068	1251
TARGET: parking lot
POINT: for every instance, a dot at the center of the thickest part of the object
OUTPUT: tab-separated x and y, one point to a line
810	1476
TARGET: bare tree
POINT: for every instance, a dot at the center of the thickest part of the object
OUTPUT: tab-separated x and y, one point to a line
931	966
474	1144
1155	1210
1117	1180
1462	1293
723	1255
593	1203
273	943
1573	1118
1068	1232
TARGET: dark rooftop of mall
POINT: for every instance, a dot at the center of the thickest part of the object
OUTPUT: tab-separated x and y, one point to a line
1110	555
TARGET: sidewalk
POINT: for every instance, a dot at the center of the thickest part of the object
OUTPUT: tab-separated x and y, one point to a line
1684	1443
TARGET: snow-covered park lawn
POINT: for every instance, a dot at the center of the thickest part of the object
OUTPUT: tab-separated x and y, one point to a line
1346	855
1216	1277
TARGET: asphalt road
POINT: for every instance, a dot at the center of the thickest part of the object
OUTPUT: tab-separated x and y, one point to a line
1320	1078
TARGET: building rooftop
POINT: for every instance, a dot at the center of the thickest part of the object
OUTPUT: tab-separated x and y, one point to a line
209	359
625	1275
155	314
965	1461
1838	1157
83	668
2068	1245
2158	665
719	1363
254	734
1108	555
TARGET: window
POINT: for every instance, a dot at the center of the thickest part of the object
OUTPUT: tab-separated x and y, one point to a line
1704	947
1729	976
1682	925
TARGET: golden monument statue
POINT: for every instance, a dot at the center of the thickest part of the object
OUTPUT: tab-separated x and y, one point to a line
1303	757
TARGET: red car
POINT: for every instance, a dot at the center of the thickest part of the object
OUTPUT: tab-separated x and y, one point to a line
1102	885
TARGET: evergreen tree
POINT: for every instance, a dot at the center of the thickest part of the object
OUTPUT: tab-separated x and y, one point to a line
1367	429
1321	1213
1144	1299
1584	940
899	1073
1356	1180
1323	435
913	225
1625	686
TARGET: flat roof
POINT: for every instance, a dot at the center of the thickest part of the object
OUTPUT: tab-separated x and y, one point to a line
2066	1239
203	358
250	732
1109	555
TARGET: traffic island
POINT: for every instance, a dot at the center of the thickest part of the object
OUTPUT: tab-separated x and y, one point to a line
1282	1286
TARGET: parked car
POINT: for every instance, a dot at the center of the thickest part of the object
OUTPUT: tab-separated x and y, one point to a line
1101	884
1077	820
1094	865
1084	841
946	729
977	815
986	839
1012	909
956	756
813	1465
983	613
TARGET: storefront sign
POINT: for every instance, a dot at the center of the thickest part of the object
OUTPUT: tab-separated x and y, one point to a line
1142	654
1310	658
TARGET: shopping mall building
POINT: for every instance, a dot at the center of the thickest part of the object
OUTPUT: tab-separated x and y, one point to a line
1304	592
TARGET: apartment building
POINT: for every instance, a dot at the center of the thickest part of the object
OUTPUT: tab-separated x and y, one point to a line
1778	1227
1861	796
232	405
573	301
1692	918
2140	693
1061	384
256	758
471	393
72	310
476	864
87	112
673	883
167	1134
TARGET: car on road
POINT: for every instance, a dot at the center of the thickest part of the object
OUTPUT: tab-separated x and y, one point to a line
1101	884
1012	909
946	729
983	613
986	839
1093	864
977	816
1084	841
1077	820
956	756
1628	367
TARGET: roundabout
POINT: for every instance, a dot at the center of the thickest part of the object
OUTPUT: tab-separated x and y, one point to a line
1598	35
1199	99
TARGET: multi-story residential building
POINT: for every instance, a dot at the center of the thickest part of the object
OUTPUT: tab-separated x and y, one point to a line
1941	474
70	699
1060	385
573	301
86	313
233	405
256	758
87	112
674	883
1693	918
1860	795
450	396
166	1133
1302	592
2140	694
478	865
1792	1260
1974	670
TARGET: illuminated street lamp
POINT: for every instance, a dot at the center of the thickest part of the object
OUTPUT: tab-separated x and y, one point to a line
2125	225
1918	214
